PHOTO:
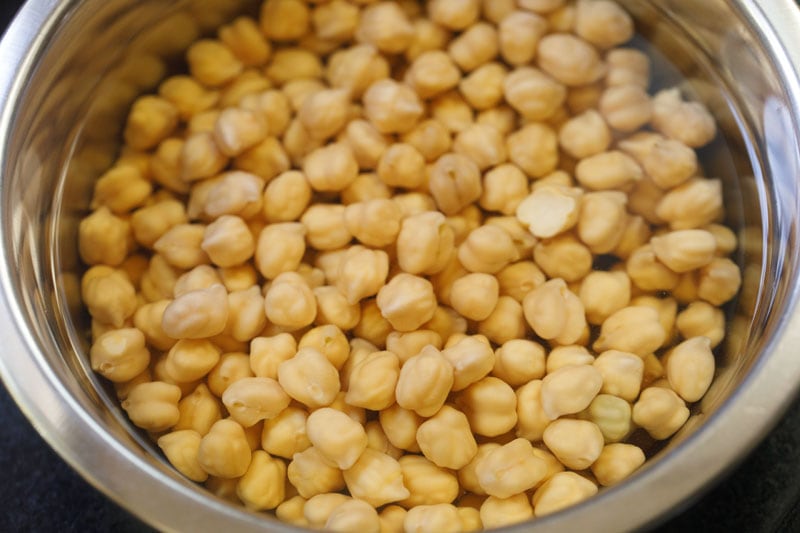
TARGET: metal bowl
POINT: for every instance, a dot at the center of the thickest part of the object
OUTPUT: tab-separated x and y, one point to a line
71	69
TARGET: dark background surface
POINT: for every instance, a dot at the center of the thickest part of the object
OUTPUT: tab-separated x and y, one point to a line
39	492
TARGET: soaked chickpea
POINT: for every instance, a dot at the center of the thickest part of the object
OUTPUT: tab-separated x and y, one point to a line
445	259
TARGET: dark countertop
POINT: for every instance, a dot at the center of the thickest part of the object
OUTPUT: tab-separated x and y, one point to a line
41	493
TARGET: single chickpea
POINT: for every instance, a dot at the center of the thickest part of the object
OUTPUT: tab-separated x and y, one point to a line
310	473
483	87
608	170
373	380
330	341
481	143
187	95
158	282
237	130
236	193
280	248
626	107
267	353
490	405
531	418
647	272
122	188
309	378
632	329
425	243
291	511
690	368
273	106
212	63
319	508
120	355
601	224
325	112
200	157
385	26
518	279
376	478
617	462
446	439
476	46
622	373
499	512
669	163
153	405
504	188
104	238
228	241
684	250
181	245
455	182
338	438
252	399
563	257
147	319
401	165
285	434
560	491
181	448
432	72
333	308
109	295
702	319
472	359
199	410
427	483
627	66
424	382
373	327
353	515
267	159
487	249
191	359
496	10
335	21
520	33
289	64
151	120
197	314
604	24
407	345
352	280
367	143
289	302
502	118
331	168
519	361
612	415
263	484
688	122
505	323
231	367
356	68
554	312
474	296
244	38
392	107
660	411
392	518
603	294
367	186
284	20
569	59
325	227
534	149
454	15
576	443
719	281
585	135
468	476
149	223
452	111
693	204
441	517
510	469
550	210
400	426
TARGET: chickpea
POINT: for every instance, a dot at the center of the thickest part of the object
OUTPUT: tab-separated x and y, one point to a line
335	21
310	474
603	294
231	367
520	33
338	438
407	345
693	204
331	168
427	483
122	189
563	257
454	15
455	182
452	111
267	353
424	382
273	106
392	107
400	426
356	68
285	434
187	95
490	406
109	295
373	327
197	314
319	508
660	411
200	157
356	262
510	469
531	418
289	302
534	149
446	439
104	238
291	511
554	312
476	46
626	107
153	405
499	512
569	59
560	491
576	443
687	122
432	72
325	227
481	143
151	120
719	281
608	170
472	359
425	243
604	24
702	319
505	323
690	368
309	378
284	20
474	296
120	355
401	165
487	249
353	515
385	26
585	135
280	248
431	139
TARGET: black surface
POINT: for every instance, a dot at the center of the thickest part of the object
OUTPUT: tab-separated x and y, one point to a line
39	492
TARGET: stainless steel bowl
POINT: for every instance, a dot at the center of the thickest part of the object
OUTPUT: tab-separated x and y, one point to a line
71	68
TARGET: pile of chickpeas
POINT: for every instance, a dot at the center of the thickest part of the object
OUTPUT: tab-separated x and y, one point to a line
400	266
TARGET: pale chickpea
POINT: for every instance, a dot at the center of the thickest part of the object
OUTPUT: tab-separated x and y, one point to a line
603	23
531	418
692	204
309	378
325	112
401	165
289	64
289	302
427	483
231	367
200	157
392	107
510	469
534	94
373	327
576	443
122	188
481	143
109	295
356	68
120	355
626	107
632	329
331	168
688	122
554	312
227	241
499	512
197	314
187	95
472	359
504	188
520	32
563	256
367	186
285	434
286	197
454	14
660	411
246	317
310	473
690	368
400	426
483	87
502	118
569	59
601	223
585	135
534	149
424	383
376	478
325	227
266	159
702	319
452	111
475	295
252	399
280	248
612	415
490	405
616	462
487	249
212	63
372	382
385	26
432	72
604	293
104	238
333	308
266	353
455	182
519	361
719	281
431	139
627	66
560	491
505	323
181	448
608	170
353	515
273	106
284	20
153	405
356	262
151	120
446	439
476	46
335	21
